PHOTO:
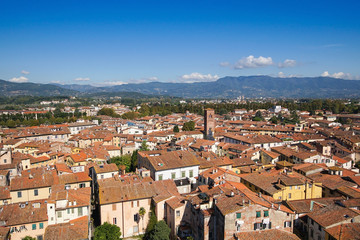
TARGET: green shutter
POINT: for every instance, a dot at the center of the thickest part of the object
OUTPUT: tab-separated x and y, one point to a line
255	226
238	215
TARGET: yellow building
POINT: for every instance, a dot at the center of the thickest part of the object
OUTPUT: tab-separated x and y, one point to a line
283	186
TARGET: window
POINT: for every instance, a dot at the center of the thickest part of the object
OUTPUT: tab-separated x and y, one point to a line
238	227
310	185
19	194
68	211
182	173
134	203
173	175
289	195
191	173
319	228
238	215
257	226
81	185
34	226
160	177
114	207
299	187
136	229
59	214
41	225
72	210
40	237
80	211
136	217
290	187
5	160
287	224
114	221
258	214
36	192
266	213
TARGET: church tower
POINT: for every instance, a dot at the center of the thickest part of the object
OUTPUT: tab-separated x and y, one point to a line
209	123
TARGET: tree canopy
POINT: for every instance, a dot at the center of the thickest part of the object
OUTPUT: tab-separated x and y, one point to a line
161	231
107	231
189	126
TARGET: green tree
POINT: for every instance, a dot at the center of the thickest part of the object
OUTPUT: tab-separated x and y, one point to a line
133	164
258	116
28	238
151	224
144	146
142	213
124	160
223	111
274	120
107	231
108	112
189	126
176	129
161	231
10	123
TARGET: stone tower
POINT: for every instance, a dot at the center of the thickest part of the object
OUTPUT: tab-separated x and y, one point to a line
209	123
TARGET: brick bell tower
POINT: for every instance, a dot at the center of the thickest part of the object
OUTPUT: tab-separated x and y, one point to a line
209	123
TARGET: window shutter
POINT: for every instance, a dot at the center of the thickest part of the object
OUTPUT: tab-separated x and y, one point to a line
138	203
261	225
254	226
132	204
269	225
284	224
290	224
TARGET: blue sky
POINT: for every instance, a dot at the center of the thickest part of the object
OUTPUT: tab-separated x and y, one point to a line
115	42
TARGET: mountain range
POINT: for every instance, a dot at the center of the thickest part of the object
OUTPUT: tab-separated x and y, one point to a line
226	87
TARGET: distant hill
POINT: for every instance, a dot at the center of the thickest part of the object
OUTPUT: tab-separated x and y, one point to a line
86	88
227	87
34	89
251	86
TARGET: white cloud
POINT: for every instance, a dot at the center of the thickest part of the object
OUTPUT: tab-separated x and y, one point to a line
283	75
198	77
21	79
55	81
342	75
287	63
153	78
25	72
224	64
82	79
253	62
114	83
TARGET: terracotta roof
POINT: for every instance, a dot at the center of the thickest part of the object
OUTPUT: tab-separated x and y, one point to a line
74	230
106	168
74	178
330	181
16	214
271	234
81	196
120	192
332	214
34	178
176	202
163	160
345	231
304	205
4	192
